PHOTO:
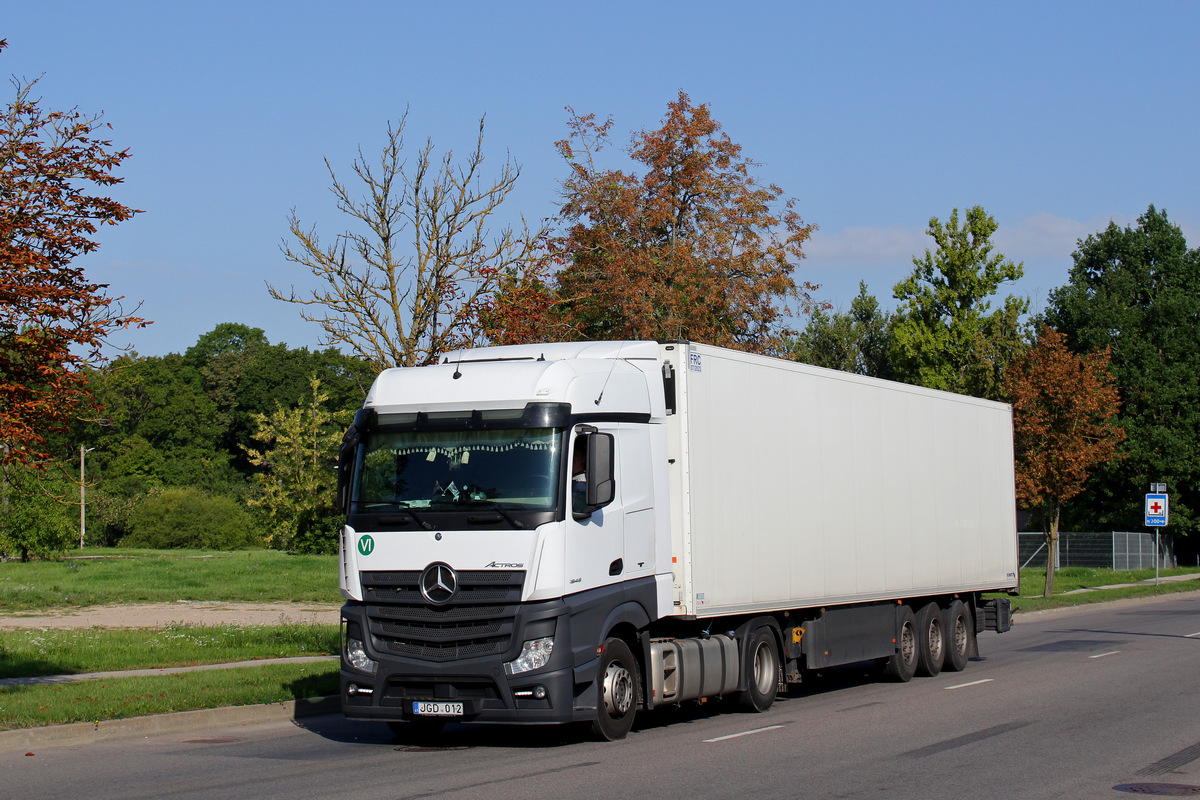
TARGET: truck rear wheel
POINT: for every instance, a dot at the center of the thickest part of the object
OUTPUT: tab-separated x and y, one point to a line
956	621
760	665
902	665
617	687
931	639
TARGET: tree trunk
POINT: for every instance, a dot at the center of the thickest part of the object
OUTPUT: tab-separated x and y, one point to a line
1051	548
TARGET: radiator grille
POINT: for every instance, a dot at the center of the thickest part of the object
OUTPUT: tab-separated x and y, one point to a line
478	621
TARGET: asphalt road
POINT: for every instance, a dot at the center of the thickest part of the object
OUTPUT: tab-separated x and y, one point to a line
1069	704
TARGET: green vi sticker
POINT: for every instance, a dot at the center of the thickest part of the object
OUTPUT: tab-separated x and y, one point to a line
365	545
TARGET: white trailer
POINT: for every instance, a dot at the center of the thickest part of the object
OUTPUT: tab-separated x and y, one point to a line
740	520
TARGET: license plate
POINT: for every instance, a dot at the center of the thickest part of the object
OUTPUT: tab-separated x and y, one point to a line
438	709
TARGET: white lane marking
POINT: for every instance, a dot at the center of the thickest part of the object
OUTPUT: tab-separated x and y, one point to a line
743	733
1192	635
1102	655
972	683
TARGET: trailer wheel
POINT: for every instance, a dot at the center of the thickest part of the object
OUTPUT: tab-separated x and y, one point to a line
760	665
956	620
617	686
932	640
902	665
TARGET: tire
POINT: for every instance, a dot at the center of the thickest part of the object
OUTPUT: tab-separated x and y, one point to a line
617	690
902	665
931	638
956	623
760	666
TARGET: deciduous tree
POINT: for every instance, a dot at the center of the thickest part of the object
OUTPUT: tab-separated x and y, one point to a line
693	247
299	481
1137	290
945	335
34	520
406	285
53	319
1064	408
853	341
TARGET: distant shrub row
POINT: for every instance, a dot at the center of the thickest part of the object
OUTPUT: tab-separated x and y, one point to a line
185	517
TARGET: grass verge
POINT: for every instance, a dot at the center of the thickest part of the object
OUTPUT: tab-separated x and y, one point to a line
1070	579
119	575
119	698
26	653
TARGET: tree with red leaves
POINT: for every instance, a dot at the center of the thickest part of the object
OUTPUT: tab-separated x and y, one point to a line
53	320
693	248
1064	406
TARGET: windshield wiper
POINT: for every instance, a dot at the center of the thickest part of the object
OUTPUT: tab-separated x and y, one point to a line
494	506
402	507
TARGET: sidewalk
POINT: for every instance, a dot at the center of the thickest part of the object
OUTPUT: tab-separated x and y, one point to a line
45	680
1147	582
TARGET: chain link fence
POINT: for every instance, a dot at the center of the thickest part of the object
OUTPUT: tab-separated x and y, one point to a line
1108	550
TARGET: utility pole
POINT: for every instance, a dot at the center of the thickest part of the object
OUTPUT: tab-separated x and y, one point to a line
82	495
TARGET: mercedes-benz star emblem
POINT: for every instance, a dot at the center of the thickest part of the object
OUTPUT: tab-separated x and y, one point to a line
438	583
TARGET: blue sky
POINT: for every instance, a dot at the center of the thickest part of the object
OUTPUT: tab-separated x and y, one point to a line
1055	117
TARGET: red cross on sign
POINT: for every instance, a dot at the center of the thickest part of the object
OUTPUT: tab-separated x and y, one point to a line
1155	508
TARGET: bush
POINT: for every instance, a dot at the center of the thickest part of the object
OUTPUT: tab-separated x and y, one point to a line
167	518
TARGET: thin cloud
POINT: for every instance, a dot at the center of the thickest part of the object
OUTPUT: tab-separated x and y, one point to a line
1039	237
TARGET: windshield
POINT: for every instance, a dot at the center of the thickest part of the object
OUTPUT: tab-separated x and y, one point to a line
506	469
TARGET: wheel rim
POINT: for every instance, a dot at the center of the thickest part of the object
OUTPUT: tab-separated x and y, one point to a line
618	690
908	644
936	642
764	668
960	636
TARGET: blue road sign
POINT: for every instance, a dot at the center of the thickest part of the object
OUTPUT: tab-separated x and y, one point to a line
1156	511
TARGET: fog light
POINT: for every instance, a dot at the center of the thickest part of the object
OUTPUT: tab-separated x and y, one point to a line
534	655
356	656
539	692
353	689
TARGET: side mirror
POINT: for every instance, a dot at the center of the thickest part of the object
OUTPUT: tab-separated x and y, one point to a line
344	469
346	456
601	484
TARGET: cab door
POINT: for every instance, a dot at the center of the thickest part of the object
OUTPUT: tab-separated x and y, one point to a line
595	537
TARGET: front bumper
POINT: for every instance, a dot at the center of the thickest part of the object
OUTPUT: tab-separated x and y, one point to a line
484	687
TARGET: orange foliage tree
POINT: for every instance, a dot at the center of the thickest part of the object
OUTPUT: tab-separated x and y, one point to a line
1064	406
695	247
53	320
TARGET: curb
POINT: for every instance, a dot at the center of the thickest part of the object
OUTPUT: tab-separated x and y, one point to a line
45	680
179	722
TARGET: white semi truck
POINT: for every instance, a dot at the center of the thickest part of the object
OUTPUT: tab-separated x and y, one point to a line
582	531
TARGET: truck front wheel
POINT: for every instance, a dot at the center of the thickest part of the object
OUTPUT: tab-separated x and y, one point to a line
617	686
761	665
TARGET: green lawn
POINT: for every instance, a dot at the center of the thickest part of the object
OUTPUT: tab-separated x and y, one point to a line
118	698
1068	579
102	576
25	653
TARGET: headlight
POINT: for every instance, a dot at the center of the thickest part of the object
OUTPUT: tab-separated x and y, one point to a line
356	656
534	655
